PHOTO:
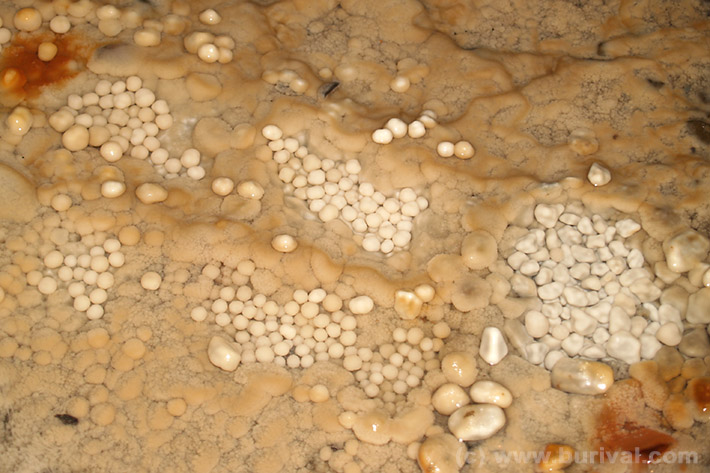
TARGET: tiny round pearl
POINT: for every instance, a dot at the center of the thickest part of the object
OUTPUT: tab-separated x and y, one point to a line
208	52
464	150
151	280
400	84
112	189
272	132
284	243
445	149
416	129
210	17
382	136
222	186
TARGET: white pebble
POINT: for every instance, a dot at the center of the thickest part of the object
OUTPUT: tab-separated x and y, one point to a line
580	376
448	398
416	129
536	324
669	334
476	422
493	346
445	149
397	127
361	305
624	346
112	189
490	392
222	354
271	132
547	215
382	136
598	175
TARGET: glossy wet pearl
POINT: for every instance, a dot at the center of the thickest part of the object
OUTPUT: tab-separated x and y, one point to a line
581	376
222	354
493	347
407	304
490	392
284	243
476	422
441	453
459	368
448	397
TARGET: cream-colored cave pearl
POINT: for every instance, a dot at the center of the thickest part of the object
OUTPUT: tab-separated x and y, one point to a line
442	453
397	127
222	354
210	17
60	24
76	138
460	368
20	121
448	398
250	190
112	189
208	52
27	19
151	280
400	84
490	392
416	129
319	393
61	202
445	149
382	136
361	305
284	243
272	132
146	37
464	150
46	51
150	193
47	285
111	151
222	186
190	157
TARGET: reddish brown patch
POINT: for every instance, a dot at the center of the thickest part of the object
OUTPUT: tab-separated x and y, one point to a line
23	74
616	434
699	393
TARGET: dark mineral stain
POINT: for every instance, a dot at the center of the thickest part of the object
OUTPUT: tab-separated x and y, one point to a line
327	88
700	129
656	83
67	419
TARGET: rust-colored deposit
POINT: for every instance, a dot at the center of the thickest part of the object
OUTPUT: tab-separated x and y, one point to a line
23	74
699	393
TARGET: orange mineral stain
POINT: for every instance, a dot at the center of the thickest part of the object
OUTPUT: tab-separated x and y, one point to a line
23	74
699	393
641	444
